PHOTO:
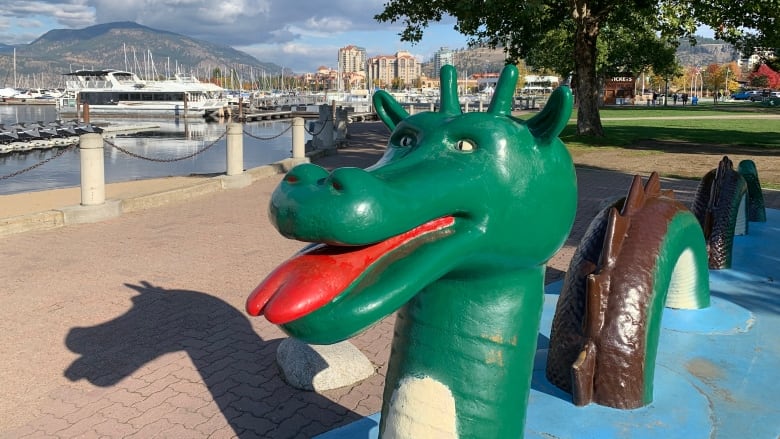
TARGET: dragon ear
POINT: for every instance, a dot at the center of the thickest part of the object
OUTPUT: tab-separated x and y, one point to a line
388	109
554	116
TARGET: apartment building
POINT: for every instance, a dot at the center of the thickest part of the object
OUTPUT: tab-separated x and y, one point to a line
352	67
748	64
401	69
352	59
442	57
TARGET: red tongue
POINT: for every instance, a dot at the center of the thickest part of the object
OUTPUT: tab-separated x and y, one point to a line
311	279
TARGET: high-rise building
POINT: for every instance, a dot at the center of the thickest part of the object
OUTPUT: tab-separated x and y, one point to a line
352	59
442	57
401	69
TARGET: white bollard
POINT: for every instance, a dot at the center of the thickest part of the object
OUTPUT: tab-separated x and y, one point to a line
298	138
93	179
235	149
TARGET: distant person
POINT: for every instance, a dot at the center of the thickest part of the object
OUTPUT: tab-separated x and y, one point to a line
655	97
674	98
684	98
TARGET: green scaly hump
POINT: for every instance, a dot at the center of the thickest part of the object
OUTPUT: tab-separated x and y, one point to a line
756	208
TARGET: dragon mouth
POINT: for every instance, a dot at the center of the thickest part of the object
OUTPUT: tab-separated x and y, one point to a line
318	274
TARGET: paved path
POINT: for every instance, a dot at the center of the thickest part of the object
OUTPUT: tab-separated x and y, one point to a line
134	327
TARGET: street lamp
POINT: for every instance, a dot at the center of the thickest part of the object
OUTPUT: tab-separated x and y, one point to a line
701	93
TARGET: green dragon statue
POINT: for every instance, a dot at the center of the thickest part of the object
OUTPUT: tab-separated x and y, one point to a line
452	227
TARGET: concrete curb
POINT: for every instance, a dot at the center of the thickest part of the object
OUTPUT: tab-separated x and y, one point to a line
91	214
52	219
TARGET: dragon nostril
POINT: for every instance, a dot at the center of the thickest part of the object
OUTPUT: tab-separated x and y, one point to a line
305	173
337	185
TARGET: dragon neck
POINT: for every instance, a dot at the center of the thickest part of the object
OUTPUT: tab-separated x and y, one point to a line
467	346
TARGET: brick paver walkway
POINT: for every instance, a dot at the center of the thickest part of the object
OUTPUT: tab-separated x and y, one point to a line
134	327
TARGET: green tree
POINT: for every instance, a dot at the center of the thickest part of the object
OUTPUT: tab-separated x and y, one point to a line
747	24
584	38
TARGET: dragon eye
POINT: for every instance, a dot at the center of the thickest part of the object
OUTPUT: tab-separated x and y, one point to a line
406	141
465	146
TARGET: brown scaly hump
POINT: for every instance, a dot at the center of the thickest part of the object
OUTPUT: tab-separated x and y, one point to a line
597	343
719	204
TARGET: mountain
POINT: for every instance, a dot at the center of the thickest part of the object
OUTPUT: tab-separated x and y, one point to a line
121	45
706	51
481	59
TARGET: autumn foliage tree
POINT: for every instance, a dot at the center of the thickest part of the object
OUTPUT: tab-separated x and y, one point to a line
764	77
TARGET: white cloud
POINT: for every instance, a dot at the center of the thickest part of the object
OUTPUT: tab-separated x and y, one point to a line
68	14
301	34
328	24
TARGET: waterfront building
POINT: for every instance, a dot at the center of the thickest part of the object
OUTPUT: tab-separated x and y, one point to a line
352	67
401	70
442	57
748	64
352	59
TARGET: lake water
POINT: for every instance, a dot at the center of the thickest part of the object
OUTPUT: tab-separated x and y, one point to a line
173	139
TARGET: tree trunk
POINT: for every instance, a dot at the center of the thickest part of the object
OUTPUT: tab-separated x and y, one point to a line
586	89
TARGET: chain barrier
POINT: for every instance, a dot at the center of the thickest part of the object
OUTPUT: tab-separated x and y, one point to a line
176	159
324	124
41	163
268	138
153	159
288	129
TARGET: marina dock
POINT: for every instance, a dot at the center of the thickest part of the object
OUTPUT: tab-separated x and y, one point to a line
38	137
286	114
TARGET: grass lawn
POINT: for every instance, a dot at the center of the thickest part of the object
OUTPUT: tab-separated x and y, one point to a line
704	124
681	141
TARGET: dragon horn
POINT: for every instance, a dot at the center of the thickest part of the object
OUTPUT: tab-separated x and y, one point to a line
449	90
501	103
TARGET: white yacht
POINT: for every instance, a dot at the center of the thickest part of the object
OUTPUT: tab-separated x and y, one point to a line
118	93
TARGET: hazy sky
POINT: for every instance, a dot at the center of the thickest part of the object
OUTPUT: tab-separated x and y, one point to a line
298	34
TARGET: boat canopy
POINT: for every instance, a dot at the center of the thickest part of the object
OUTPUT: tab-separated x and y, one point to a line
104	72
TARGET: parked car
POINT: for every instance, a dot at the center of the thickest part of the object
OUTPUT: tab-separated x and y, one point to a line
747	95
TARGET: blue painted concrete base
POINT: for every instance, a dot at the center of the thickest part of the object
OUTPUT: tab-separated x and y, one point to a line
717	371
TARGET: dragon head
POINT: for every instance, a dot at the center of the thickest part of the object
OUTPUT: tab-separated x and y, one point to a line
454	195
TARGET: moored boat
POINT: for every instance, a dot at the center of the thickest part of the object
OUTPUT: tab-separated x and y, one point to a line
118	93
22	137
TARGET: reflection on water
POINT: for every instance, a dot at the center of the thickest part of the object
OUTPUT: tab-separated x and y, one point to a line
172	140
